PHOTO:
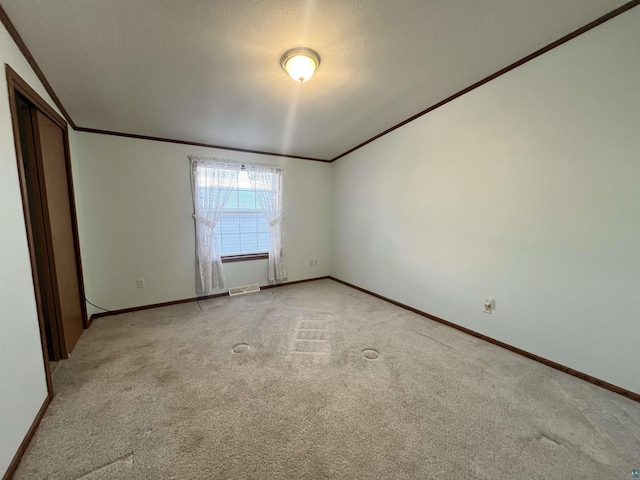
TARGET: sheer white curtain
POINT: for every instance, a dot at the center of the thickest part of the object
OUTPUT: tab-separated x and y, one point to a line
212	181
267	183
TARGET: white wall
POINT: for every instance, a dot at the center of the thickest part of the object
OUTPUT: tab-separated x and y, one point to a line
23	386
526	189
135	207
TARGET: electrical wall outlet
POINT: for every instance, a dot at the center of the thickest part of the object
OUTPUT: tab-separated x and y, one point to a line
313	263
140	283
489	305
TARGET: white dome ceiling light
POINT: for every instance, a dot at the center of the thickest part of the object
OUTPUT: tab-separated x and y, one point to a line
300	63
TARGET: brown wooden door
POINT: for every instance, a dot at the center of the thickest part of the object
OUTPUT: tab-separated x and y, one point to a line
38	227
50	152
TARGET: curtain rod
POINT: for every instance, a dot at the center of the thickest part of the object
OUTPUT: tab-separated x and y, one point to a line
235	162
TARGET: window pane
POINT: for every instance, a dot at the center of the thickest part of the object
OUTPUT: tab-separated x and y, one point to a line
242	227
263	224
228	224
246	199
232	203
243	180
263	242
248	223
229	244
249	244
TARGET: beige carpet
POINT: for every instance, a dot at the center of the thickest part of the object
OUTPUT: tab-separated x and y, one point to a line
159	394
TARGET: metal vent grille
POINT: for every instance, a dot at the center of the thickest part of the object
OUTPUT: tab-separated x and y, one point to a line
242	290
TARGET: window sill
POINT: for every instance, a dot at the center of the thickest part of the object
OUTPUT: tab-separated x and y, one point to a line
244	258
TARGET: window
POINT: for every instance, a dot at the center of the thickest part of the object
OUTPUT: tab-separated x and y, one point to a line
238	215
243	228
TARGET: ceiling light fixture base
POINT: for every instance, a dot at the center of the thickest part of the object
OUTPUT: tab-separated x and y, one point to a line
300	63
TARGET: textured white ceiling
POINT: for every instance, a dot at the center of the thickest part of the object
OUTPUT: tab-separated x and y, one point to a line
209	71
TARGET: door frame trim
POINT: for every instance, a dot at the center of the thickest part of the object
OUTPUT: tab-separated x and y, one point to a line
17	84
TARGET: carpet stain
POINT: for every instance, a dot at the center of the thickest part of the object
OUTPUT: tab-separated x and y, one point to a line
166	378
142	360
115	465
192	442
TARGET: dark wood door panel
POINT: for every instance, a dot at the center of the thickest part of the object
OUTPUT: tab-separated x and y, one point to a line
36	220
50	143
